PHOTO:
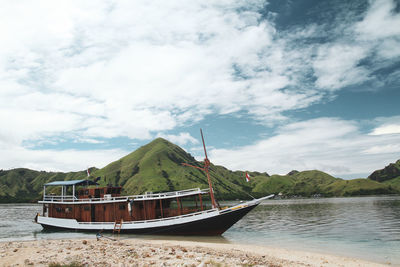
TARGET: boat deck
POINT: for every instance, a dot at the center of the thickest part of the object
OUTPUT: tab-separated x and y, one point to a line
107	199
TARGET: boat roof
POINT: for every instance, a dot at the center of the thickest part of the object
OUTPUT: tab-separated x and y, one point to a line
72	182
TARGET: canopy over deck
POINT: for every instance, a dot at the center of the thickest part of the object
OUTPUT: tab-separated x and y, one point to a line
64	185
72	182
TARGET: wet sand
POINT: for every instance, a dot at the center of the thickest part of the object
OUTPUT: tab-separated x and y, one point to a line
137	252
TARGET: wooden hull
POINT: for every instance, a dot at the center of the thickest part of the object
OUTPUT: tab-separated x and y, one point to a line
213	223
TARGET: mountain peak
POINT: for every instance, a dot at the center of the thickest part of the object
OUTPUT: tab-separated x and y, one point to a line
160	140
293	172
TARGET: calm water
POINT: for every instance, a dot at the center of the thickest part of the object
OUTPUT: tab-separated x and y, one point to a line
365	227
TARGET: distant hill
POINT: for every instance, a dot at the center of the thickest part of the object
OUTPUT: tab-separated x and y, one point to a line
309	183
391	171
390	175
157	167
25	185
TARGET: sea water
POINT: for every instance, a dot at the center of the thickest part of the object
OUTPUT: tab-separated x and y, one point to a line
360	227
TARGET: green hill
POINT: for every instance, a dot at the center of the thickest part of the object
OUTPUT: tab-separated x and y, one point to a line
157	167
395	183
309	183
390	175
25	185
392	171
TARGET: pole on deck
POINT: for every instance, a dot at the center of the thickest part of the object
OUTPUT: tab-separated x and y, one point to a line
206	166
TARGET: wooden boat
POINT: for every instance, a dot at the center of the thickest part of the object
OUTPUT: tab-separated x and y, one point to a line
82	207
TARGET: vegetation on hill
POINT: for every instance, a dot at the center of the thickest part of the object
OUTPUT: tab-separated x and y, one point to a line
25	185
309	183
157	167
390	172
395	183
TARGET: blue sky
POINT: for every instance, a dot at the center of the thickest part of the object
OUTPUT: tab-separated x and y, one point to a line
275	85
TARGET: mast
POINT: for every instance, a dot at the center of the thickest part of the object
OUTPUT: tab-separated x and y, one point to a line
206	166
206	170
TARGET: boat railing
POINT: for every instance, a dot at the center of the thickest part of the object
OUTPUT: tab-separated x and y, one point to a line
147	196
55	198
169	194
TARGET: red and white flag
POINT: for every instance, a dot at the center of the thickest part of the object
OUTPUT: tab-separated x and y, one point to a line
247	177
88	172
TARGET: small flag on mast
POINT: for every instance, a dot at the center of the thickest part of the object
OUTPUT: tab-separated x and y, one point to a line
247	177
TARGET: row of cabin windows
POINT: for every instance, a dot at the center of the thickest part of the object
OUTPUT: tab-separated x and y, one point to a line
66	210
86	208
83	192
108	190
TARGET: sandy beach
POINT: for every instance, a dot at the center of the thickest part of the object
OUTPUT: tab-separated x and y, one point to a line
136	252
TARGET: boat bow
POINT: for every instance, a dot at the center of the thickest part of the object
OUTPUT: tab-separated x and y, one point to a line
253	202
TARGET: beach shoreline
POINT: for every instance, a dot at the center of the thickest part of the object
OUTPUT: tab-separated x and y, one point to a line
144	252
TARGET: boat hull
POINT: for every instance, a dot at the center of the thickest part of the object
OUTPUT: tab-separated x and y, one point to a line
213	223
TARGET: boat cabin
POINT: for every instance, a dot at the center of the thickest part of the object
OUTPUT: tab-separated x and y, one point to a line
85	201
103	192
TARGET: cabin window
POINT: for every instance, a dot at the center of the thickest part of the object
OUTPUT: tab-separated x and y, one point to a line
97	193
83	192
68	209
173	204
122	207
58	209
86	208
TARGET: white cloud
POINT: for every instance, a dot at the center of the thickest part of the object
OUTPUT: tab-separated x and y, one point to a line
88	141
135	68
58	160
380	31
336	66
389	49
130	69
180	139
328	144
381	21
386	129
357	48
391	148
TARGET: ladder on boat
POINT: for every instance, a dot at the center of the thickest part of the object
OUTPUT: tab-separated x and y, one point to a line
117	226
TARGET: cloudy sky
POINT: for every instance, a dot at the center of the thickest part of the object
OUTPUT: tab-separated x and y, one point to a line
275	85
